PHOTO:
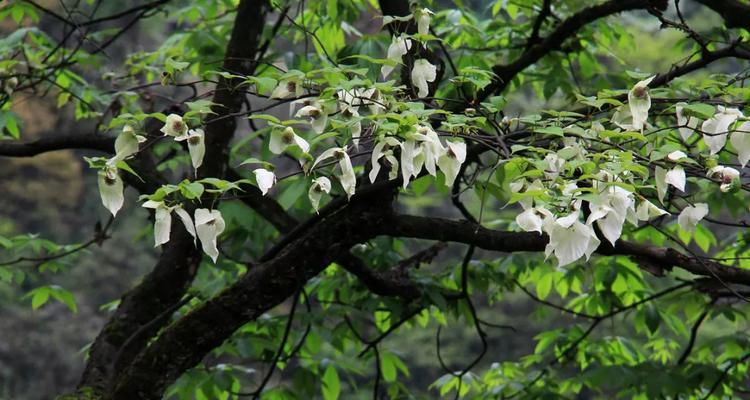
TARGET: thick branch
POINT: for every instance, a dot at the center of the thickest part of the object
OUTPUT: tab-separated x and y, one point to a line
186	342
566	29
469	233
66	142
736	14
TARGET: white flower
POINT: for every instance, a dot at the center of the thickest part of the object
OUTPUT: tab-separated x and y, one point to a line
423	17
396	51
728	176
741	141
676	178
431	147
355	125
281	139
380	150
409	152
532	219
716	129
569	241
623	118
10	85
450	161
691	215
611	210
375	103
421	73
639	102
647	211
350	99
196	146
209	225
553	165
289	87
265	179
110	189
318	118
676	155
163	220
126	144
660	177
347	177
320	185
687	124
174	126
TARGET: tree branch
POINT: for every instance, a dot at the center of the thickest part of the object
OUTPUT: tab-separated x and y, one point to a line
63	142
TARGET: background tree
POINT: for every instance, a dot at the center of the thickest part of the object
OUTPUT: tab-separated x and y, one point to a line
328	183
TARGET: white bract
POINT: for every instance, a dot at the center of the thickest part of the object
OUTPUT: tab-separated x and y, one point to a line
319	186
422	73
647	211
110	189
318	118
569	239
281	139
384	149
396	51
174	126
716	128
741	141
639	102
532	219
728	176
450	161
611	210
208	226
691	215
423	17
287	88
553	164
676	177
196	146
687	124
347	177
265	179
126	144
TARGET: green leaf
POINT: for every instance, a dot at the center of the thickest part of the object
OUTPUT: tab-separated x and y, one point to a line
331	387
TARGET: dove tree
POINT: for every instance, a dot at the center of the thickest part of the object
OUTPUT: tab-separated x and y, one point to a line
343	186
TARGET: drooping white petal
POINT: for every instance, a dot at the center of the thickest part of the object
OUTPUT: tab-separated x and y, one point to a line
691	215
196	146
398	48
281	139
676	178
174	126
741	141
687	124
639	102
408	152
162	225
209	224
318	118
623	118
570	243
450	161
647	211
186	221
676	155
716	128
431	147
660	177
330	153
422	73
319	186
126	143
265	179
111	190
530	221
423	21
729	177
347	178
287	88
553	165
